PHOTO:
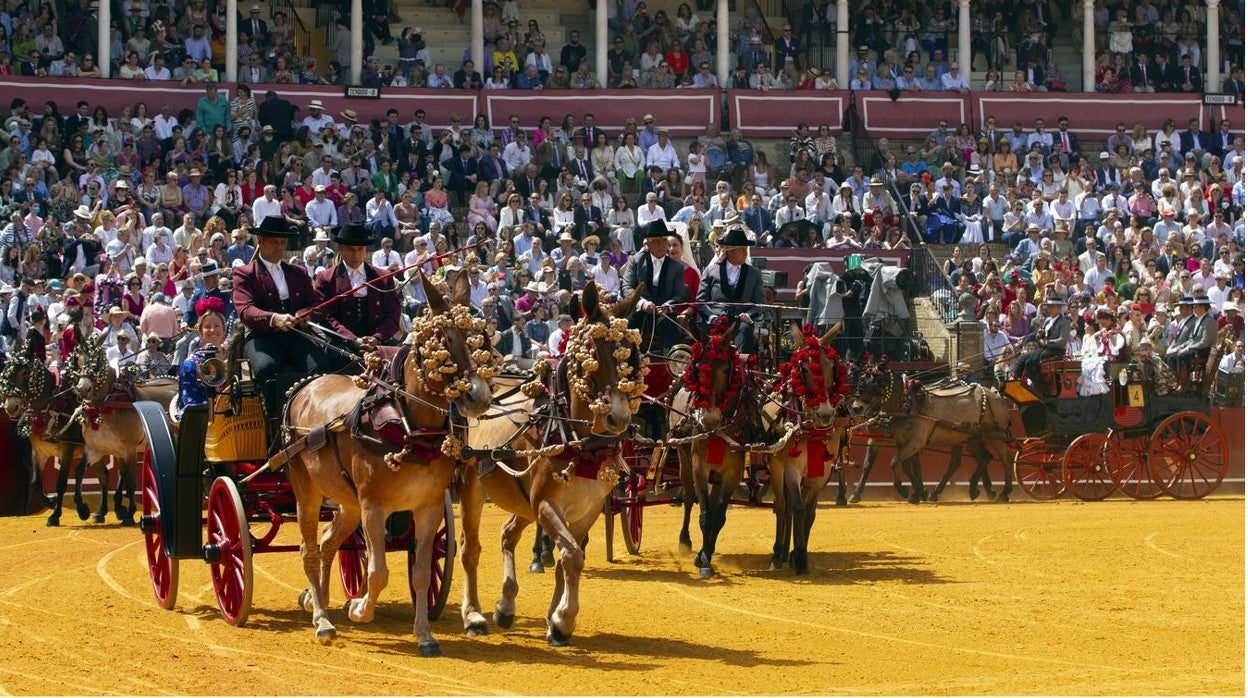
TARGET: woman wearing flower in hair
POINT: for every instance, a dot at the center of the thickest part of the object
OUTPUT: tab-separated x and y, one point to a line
211	329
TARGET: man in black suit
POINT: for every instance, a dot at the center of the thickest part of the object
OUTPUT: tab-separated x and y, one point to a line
1187	78
1196	335
463	173
1065	142
580	166
492	169
587	216
467	77
278	113
729	283
1234	85
588	133
526	179
662	280
1050	338
255	27
1193	140
1144	77
514	343
539	216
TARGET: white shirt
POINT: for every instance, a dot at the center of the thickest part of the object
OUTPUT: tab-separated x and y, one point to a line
383	260
516	157
356	277
315	124
663	157
262	208
645	215
321	177
734	273
658	268
162	126
320	213
556	338
608	279
279	278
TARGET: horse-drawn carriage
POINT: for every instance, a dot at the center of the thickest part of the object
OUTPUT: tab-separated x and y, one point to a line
1135	438
205	485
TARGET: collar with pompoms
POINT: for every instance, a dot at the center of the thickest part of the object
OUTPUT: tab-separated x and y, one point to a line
699	376
809	356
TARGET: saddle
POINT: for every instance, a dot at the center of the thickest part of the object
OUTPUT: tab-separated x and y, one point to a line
948	387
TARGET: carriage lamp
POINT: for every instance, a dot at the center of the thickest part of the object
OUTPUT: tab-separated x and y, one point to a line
212	372
1133	378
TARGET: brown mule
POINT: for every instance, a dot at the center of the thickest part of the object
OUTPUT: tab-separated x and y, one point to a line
796	479
109	426
562	488
443	378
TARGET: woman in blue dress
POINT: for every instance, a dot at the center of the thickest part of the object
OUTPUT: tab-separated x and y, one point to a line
211	329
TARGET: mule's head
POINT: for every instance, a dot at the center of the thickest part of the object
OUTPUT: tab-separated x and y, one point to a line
87	371
604	367
714	375
451	357
815	375
15	384
871	385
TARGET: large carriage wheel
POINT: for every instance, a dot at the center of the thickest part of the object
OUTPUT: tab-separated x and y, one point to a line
442	563
162	567
1038	467
1135	478
228	551
1089	465
1188	455
353	565
632	511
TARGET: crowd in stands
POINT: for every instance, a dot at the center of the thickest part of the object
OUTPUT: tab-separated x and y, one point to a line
901	45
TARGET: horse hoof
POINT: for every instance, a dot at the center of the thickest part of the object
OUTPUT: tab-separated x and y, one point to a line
903	492
706	572
127	521
686	546
775	565
99	518
54	521
840	502
991	494
536	567
1003	497
548	558
477	629
915	498
556	638
430	649
504	620
801	571
326	635
84	512
933	497
854	498
974	494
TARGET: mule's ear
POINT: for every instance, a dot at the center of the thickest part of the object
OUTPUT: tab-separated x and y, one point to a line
625	306
590	303
461	291
575	311
433	297
831	334
731	332
699	333
795	330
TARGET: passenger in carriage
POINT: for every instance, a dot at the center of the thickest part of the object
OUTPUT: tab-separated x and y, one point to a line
211	330
1105	345
663	284
1157	374
732	287
1197	342
368	316
1051	339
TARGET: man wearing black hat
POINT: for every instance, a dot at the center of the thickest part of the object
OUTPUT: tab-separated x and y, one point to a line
663	286
1050	339
1196	335
268	296
367	315
729	284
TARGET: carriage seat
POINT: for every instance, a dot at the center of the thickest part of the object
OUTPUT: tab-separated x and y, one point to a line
1060	377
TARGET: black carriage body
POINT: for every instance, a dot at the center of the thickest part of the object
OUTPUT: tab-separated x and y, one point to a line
1072	417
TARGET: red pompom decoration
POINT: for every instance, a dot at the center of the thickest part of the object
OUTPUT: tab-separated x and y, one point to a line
809	359
211	304
699	376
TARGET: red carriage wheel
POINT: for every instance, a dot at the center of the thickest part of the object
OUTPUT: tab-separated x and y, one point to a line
353	566
1135	478
1189	455
632	511
1038	467
162	567
442	564
1089	465
228	551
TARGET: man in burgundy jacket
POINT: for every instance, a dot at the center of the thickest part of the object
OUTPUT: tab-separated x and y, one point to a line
268	296
367	316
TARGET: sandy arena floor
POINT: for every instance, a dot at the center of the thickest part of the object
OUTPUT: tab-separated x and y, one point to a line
1115	597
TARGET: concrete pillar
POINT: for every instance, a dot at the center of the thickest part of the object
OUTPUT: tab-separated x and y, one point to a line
478	38
1213	61
1089	47
357	42
231	41
967	339
722	50
842	43
964	37
105	40
602	39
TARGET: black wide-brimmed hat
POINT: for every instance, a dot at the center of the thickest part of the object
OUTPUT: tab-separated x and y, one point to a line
353	234
275	227
657	229
735	237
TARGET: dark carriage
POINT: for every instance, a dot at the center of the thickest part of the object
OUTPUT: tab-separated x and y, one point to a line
206	495
1133	438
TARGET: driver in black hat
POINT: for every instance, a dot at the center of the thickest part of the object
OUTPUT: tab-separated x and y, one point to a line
1050	339
663	286
268	296
732	287
368	316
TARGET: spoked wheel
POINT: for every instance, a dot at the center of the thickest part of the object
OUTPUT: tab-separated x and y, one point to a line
442	564
228	551
1188	455
1039	470
632	511
1089	465
1134	477
353	565
162	567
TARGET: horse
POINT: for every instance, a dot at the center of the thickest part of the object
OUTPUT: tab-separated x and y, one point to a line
109	426
979	475
717	401
808	397
567	425
29	392
963	416
443	375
